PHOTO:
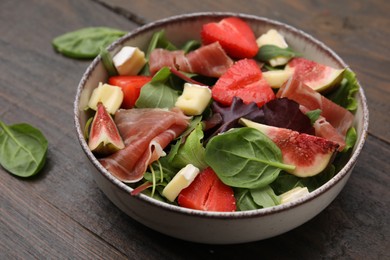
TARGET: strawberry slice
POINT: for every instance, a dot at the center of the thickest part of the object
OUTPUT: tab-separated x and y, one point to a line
243	80
207	192
234	35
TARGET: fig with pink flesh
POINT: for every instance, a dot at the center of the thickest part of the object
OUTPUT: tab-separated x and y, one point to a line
104	137
310	154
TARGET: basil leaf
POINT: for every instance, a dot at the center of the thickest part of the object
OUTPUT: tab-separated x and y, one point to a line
313	115
85	43
268	52
192	151
157	94
344	95
244	158
23	149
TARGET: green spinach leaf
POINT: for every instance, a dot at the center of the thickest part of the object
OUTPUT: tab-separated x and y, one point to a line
87	42
245	158
23	149
156	93
268	52
251	199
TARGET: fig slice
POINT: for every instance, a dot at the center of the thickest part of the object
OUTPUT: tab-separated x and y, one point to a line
310	154
104	137
318	76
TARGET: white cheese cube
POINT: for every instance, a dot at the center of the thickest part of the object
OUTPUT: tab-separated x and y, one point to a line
182	180
110	96
273	37
194	99
129	61
293	194
276	78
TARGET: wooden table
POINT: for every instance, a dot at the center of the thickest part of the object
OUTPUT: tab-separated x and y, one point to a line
62	214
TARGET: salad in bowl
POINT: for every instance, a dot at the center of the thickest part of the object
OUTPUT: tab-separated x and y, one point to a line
219	116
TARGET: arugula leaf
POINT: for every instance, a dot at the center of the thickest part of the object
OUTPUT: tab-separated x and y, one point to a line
344	95
87	42
245	158
23	149
268	52
192	151
156	93
190	46
313	115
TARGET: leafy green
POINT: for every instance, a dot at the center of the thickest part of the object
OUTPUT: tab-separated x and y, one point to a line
286	181
157	93
159	40
250	199
190	46
245	158
268	52
107	62
350	139
313	115
190	152
23	149
344	95
87	42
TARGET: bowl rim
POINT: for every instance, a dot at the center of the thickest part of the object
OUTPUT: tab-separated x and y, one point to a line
211	214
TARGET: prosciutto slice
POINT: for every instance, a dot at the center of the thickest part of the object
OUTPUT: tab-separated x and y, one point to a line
324	129
209	60
337	116
146	132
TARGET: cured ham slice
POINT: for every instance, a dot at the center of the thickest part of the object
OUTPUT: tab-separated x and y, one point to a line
340	118
146	132
324	129
209	60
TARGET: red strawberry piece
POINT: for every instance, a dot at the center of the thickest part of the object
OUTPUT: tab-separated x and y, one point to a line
243	80
235	36
207	192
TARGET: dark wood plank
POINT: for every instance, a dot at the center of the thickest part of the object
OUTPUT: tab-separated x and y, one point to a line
62	214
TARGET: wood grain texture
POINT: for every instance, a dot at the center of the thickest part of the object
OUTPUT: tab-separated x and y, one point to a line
61	214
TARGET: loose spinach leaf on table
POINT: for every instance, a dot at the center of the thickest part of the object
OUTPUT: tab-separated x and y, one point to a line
245	158
86	43
23	149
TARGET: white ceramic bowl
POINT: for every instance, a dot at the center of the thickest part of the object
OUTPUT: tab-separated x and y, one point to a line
215	227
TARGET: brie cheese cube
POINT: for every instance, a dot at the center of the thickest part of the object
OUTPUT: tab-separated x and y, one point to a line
273	37
194	99
182	180
276	78
110	96
294	194
129	60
